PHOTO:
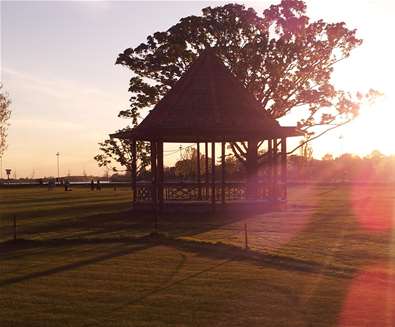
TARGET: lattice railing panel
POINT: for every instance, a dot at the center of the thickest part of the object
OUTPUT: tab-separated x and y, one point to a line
190	191
181	192
144	192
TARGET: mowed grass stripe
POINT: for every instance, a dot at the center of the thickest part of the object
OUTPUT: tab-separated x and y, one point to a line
300	269
45	203
220	294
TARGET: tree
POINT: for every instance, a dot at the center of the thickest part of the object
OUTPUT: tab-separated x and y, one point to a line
376	155
5	114
120	151
186	167
306	151
284	59
327	157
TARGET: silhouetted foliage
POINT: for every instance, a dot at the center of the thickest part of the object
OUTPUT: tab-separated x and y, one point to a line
284	59
5	114
372	168
186	167
327	157
120	151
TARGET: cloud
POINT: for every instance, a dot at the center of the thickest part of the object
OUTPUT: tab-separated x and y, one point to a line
55	114
63	100
45	124
57	88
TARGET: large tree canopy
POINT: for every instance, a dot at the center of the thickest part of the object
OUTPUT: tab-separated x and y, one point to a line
5	114
282	57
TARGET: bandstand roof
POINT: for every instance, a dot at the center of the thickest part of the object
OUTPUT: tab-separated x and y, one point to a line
208	104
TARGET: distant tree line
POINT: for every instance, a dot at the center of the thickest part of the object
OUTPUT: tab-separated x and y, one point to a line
372	168
302	167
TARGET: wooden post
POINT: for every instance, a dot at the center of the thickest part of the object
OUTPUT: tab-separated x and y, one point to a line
154	191
198	171
245	237
213	175
275	169
270	168
284	171
223	172
134	171
252	169
206	169
160	174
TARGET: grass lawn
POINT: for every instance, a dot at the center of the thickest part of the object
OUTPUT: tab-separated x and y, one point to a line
83	260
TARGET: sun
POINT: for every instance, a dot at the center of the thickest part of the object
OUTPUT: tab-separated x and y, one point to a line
373	129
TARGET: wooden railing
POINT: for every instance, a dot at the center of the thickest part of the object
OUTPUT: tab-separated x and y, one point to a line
190	191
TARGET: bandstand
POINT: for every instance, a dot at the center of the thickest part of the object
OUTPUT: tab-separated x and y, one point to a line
208	106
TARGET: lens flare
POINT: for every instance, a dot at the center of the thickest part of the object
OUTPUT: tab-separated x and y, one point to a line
374	211
371	299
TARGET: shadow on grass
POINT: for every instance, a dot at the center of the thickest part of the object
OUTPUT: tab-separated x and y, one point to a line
226	251
167	285
217	251
124	223
124	228
333	230
128	249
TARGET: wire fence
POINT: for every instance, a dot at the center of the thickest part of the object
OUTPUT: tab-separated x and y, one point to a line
241	233
13	228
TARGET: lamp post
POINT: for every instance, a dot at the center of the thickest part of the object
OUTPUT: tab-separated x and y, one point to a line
8	172
180	148
57	159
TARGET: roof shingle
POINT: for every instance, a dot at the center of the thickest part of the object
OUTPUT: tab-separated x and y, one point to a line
208	103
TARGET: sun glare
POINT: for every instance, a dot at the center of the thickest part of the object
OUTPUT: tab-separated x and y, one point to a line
372	129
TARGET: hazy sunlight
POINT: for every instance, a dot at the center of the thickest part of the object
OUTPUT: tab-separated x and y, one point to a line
373	129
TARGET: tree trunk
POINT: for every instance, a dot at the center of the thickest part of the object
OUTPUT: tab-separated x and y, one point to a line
252	170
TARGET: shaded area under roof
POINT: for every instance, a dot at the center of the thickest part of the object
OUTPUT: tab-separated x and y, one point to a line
208	104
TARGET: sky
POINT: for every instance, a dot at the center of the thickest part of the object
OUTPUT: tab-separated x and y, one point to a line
57	65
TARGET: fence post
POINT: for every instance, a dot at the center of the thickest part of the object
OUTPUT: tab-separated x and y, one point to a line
14	223
245	237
